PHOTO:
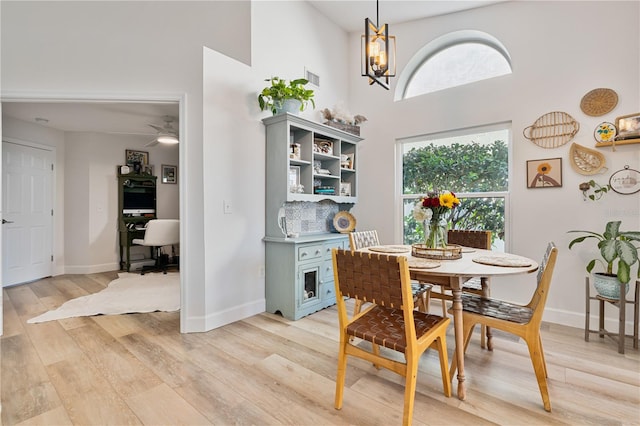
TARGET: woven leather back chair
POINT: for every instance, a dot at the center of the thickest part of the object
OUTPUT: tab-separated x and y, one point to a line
363	239
389	321
474	239
521	320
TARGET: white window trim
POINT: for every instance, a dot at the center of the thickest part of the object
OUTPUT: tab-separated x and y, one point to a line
439	44
398	219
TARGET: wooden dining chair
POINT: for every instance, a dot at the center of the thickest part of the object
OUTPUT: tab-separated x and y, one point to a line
521	320
477	285
390	321
363	239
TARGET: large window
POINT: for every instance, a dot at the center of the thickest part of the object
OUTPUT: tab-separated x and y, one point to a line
473	164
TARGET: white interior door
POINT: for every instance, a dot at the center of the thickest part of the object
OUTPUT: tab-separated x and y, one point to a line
27	222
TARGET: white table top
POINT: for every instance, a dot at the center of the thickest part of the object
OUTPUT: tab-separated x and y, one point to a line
467	267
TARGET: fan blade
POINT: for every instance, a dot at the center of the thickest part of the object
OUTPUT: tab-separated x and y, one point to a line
157	128
152	143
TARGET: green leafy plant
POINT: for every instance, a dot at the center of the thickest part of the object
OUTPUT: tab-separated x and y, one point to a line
614	245
598	190
272	97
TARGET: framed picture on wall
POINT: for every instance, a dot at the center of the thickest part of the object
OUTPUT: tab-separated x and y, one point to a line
545	173
132	157
169	174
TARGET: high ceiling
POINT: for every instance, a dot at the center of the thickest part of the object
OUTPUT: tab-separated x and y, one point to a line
350	14
134	118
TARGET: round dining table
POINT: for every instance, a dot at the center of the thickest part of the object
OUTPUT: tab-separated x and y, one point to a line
452	274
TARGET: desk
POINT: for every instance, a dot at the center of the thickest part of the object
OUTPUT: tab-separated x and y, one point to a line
453	274
126	237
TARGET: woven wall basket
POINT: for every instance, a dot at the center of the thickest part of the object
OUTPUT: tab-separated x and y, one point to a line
599	102
552	130
586	161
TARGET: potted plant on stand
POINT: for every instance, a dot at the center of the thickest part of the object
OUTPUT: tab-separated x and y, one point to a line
281	96
614	245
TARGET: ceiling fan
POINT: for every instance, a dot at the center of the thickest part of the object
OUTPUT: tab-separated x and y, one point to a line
167	134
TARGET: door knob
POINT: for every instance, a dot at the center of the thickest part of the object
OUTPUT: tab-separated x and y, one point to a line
6	221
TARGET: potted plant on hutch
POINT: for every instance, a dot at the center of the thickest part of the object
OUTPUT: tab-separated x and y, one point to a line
281	96
614	245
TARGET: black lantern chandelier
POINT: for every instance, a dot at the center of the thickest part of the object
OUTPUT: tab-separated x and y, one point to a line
378	52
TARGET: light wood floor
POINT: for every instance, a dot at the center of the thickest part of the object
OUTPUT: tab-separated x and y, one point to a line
265	370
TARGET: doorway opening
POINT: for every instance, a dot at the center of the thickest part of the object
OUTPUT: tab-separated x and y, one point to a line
106	126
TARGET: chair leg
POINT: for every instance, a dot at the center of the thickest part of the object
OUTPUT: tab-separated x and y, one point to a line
342	370
357	307
410	388
441	345
537	359
486	338
375	349
544	362
423	306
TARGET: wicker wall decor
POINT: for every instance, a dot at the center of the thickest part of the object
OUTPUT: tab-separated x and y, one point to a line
599	102
586	161
552	130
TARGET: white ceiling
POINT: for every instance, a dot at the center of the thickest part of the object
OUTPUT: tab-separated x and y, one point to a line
350	14
104	117
134	118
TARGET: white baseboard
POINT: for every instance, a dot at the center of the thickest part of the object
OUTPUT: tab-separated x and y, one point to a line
91	269
221	318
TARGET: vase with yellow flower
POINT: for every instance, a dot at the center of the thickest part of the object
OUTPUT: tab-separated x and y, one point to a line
433	212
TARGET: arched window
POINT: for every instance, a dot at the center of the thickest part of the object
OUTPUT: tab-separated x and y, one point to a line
452	60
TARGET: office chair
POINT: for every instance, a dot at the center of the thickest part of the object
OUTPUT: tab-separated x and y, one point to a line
159	233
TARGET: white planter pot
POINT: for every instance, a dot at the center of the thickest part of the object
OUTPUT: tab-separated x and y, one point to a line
608	285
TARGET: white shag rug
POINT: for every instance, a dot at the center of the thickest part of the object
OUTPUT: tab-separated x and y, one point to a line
129	293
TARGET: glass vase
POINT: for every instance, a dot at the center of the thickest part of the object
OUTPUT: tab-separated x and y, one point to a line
436	232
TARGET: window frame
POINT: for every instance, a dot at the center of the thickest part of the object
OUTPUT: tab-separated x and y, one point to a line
442	43
427	138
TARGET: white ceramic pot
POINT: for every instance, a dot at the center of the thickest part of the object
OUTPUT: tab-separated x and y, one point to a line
608	285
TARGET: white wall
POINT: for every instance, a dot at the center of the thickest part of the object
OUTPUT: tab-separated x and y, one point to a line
554	65
86	210
234	145
114	50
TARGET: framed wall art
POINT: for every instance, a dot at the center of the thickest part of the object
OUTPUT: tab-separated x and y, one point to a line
169	174
132	157
625	181
628	126
345	189
294	178
545	173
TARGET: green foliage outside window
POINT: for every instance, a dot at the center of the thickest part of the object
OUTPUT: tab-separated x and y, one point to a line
461	168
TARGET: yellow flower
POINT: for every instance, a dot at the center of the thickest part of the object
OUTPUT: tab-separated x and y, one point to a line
448	200
544	168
